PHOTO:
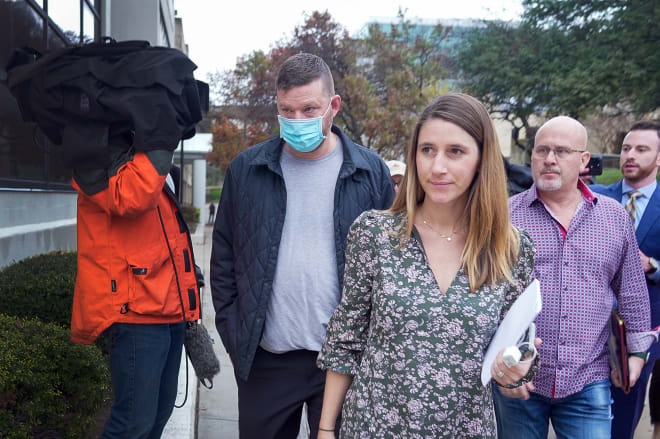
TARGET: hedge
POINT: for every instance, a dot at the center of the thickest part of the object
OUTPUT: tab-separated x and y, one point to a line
40	286
190	216
49	386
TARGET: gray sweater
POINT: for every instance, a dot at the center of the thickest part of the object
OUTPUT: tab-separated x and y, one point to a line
305	286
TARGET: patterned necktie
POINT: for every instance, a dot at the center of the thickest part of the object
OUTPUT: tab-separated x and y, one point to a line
630	205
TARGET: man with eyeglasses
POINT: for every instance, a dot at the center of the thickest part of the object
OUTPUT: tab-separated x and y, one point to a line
586	256
638	192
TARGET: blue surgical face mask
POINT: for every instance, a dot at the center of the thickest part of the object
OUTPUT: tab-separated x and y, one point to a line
303	135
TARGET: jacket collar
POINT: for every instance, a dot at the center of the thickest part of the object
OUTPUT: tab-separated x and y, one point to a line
617	190
650	217
270	153
651	214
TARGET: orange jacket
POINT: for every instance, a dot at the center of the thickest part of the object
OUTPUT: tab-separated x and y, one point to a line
135	260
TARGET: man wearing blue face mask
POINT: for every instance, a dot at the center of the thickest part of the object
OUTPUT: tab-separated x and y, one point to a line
277	263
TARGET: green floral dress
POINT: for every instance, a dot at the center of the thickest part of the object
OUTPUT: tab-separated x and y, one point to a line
414	352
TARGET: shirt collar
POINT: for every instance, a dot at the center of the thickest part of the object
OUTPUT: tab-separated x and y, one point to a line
586	192
533	193
647	191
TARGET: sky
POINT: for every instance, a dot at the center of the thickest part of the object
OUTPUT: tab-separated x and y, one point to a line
219	31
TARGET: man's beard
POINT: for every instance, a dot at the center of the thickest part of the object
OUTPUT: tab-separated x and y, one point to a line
549	186
640	173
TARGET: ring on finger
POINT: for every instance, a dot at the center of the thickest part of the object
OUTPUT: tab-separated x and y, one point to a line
499	374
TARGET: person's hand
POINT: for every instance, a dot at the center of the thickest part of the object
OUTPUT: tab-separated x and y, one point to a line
635	366
616	378
646	265
508	375
326	435
519	392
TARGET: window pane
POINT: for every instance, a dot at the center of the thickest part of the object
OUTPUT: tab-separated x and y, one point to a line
89	25
24	150
56	42
20	156
25	153
66	15
20	26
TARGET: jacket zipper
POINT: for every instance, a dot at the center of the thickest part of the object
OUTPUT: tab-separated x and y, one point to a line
176	273
192	253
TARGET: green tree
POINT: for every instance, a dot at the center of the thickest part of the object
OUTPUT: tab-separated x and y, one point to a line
403	65
245	112
324	37
618	46
251	86
572	57
513	69
384	80
229	140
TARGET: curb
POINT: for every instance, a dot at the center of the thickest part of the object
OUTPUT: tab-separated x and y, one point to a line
197	238
183	421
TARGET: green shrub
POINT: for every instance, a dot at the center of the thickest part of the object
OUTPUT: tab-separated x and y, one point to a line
190	216
49	386
213	195
40	286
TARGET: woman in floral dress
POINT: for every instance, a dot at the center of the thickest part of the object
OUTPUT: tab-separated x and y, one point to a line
425	287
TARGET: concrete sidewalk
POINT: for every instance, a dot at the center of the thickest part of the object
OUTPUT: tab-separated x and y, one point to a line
213	414
217	415
183	422
207	413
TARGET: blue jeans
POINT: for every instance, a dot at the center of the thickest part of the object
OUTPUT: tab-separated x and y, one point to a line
144	363
583	415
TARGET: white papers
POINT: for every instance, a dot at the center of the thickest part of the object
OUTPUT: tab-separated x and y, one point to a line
516	321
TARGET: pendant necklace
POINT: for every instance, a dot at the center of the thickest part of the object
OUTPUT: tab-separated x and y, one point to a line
441	235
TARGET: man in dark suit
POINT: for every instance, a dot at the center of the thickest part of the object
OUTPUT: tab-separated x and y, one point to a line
639	193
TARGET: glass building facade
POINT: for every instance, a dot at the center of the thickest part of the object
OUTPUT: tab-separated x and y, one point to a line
27	158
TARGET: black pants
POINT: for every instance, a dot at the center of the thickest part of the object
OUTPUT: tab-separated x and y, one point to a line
654	394
270	402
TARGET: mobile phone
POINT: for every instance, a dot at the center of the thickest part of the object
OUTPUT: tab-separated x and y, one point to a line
526	343
529	335
595	166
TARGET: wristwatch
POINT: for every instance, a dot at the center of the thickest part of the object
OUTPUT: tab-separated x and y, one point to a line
643	355
654	266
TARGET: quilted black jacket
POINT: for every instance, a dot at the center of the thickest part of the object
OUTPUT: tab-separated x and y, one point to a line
248	229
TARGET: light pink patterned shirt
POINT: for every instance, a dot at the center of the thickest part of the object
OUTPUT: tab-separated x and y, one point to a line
581	270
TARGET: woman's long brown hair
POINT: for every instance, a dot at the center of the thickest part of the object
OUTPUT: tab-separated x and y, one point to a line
491	247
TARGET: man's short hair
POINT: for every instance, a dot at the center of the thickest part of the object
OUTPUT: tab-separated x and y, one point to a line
652	125
302	69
